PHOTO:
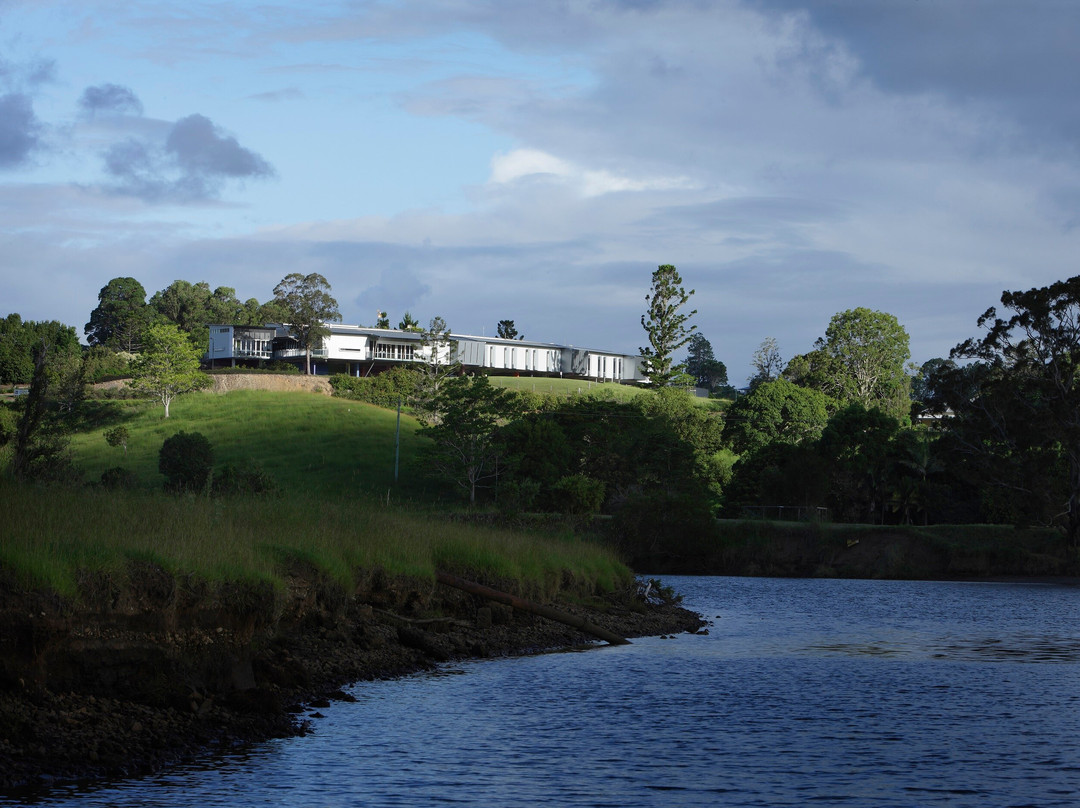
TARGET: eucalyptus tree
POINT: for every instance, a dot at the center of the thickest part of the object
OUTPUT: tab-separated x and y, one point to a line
1017	413
308	306
665	326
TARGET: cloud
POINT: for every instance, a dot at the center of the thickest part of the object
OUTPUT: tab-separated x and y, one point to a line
20	130
192	164
397	291
109	99
274	96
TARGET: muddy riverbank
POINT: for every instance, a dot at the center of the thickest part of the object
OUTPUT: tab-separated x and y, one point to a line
120	682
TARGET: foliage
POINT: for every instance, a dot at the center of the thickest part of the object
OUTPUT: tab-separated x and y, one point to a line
382	320
409	323
19	338
507	330
121	316
1017	412
438	364
118	436
307	304
193	307
777	473
518	496
168	365
383	389
861	359
40	450
578	494
652	525
102	364
187	461
857	445
766	362
118	478
463	448
535	449
665	326
776	412
707	370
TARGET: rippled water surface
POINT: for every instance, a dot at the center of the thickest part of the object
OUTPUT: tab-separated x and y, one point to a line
805	692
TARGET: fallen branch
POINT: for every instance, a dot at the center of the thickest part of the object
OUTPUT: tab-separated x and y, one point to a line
580	623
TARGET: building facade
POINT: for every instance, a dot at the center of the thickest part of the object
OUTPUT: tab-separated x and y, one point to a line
360	351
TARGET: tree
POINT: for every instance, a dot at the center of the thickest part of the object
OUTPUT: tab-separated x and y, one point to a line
665	326
382	320
463	447
776	412
767	362
437	351
121	316
857	446
117	436
192	307
308	307
168	365
1018	412
187	461
507	330
861	359
41	444
409	323
707	370
19	338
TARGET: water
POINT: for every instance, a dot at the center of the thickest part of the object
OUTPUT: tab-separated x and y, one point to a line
805	692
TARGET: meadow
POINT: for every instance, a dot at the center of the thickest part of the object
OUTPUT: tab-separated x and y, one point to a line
338	508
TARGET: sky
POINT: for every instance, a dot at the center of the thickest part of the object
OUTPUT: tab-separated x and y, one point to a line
483	160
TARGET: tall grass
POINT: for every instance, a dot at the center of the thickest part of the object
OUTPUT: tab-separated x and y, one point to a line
50	535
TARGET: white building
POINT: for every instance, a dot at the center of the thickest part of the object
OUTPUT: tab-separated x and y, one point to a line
360	351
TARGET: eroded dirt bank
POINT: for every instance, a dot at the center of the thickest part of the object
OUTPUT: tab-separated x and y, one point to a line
126	679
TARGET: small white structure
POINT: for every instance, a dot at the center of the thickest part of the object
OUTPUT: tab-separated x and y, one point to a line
360	351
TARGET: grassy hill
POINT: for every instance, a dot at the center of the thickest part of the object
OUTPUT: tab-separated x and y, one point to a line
306	442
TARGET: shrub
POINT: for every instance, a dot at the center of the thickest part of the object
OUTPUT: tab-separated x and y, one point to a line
578	494
117	436
118	478
382	390
187	460
518	496
233	480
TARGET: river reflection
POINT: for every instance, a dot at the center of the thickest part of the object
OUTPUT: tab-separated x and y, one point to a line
805	692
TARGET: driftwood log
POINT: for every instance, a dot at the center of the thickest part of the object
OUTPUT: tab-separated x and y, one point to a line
580	623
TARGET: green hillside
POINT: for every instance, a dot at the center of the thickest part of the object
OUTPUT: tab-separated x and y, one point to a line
306	442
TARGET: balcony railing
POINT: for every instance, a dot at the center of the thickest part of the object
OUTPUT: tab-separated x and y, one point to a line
296	353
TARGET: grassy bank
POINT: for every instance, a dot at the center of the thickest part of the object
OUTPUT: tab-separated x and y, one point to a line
53	535
306	442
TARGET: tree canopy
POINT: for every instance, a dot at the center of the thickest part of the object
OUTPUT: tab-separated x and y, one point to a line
121	316
167	366
507	330
861	359
665	326
1017	411
308	305
708	371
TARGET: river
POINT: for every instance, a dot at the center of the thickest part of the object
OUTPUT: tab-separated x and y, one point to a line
804	692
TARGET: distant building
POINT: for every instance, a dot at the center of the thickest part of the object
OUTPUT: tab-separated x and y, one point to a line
360	351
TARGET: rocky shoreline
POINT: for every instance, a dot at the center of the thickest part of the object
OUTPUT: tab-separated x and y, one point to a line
161	671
